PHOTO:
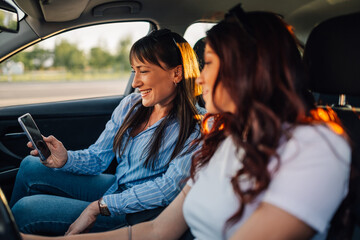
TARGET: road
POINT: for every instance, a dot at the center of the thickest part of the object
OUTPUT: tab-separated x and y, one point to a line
25	93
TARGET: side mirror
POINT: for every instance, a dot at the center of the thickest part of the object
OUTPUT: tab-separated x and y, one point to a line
8	18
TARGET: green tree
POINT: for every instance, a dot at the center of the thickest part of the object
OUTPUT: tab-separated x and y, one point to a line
69	56
34	58
2	18
100	58
24	58
37	57
122	55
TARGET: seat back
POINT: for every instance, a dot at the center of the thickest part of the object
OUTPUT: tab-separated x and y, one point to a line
332	55
199	49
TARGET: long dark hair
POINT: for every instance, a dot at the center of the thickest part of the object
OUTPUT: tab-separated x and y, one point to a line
173	50
262	70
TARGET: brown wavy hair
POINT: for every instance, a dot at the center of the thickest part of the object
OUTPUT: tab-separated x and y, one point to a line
173	50
262	70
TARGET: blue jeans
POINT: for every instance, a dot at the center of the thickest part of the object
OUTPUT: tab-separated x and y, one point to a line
47	202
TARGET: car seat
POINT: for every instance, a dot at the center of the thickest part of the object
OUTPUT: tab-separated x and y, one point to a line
332	56
8	228
199	49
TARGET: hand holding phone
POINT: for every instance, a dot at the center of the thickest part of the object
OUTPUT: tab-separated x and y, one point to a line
33	133
59	154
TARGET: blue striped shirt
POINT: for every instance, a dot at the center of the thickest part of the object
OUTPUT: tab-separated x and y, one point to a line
145	188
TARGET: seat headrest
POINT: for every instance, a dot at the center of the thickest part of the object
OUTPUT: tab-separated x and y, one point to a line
332	55
199	49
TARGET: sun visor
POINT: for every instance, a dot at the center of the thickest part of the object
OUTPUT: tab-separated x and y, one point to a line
62	10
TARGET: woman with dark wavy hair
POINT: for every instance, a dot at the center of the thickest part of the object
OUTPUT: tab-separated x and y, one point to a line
271	166
278	166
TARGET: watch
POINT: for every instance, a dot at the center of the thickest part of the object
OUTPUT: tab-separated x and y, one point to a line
104	210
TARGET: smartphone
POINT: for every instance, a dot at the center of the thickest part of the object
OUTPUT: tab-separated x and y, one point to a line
33	133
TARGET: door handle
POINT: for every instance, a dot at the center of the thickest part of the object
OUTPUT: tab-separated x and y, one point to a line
14	135
5	150
8	152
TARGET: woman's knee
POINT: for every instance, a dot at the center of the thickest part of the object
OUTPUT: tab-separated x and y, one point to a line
32	211
31	166
30	162
24	210
46	214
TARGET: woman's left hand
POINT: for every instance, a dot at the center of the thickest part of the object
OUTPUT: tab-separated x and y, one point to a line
85	221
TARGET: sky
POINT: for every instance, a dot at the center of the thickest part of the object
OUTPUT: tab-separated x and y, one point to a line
105	35
108	35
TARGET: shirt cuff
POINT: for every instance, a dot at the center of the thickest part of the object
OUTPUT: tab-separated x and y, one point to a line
69	163
110	201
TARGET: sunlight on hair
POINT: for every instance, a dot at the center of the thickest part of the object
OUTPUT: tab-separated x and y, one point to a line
355	112
198	117
290	29
208	123
329	117
191	68
205	126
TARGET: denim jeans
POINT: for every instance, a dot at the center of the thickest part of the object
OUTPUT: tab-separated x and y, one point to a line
45	201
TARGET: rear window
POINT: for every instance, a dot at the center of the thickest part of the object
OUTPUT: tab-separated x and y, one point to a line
197	31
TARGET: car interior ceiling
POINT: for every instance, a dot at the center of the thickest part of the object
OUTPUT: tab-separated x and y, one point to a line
332	55
46	17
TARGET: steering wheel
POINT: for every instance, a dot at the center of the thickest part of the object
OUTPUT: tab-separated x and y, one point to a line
8	228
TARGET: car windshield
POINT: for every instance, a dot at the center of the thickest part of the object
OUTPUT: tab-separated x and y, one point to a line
20	12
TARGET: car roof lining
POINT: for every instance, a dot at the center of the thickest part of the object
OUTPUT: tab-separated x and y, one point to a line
303	15
178	15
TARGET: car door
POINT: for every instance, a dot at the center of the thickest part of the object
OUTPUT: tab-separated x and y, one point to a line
76	123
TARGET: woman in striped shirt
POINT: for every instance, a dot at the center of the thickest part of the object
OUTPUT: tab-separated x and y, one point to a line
149	133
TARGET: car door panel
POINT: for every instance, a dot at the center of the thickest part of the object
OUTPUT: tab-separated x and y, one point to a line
77	124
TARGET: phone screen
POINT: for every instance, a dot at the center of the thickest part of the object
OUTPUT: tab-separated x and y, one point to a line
34	135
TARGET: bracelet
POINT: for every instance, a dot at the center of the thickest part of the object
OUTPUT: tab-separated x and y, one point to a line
129	231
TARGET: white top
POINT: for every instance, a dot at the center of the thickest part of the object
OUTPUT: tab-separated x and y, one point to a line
310	184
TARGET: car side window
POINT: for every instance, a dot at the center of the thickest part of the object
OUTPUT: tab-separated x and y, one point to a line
85	62
197	31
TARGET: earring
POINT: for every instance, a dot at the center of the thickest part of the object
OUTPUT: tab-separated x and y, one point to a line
175	83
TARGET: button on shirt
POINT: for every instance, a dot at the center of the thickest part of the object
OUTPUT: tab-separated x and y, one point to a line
145	188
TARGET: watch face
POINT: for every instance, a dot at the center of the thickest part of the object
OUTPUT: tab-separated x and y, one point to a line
104	211
102	203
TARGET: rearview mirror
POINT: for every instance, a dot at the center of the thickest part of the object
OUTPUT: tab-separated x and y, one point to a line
8	18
